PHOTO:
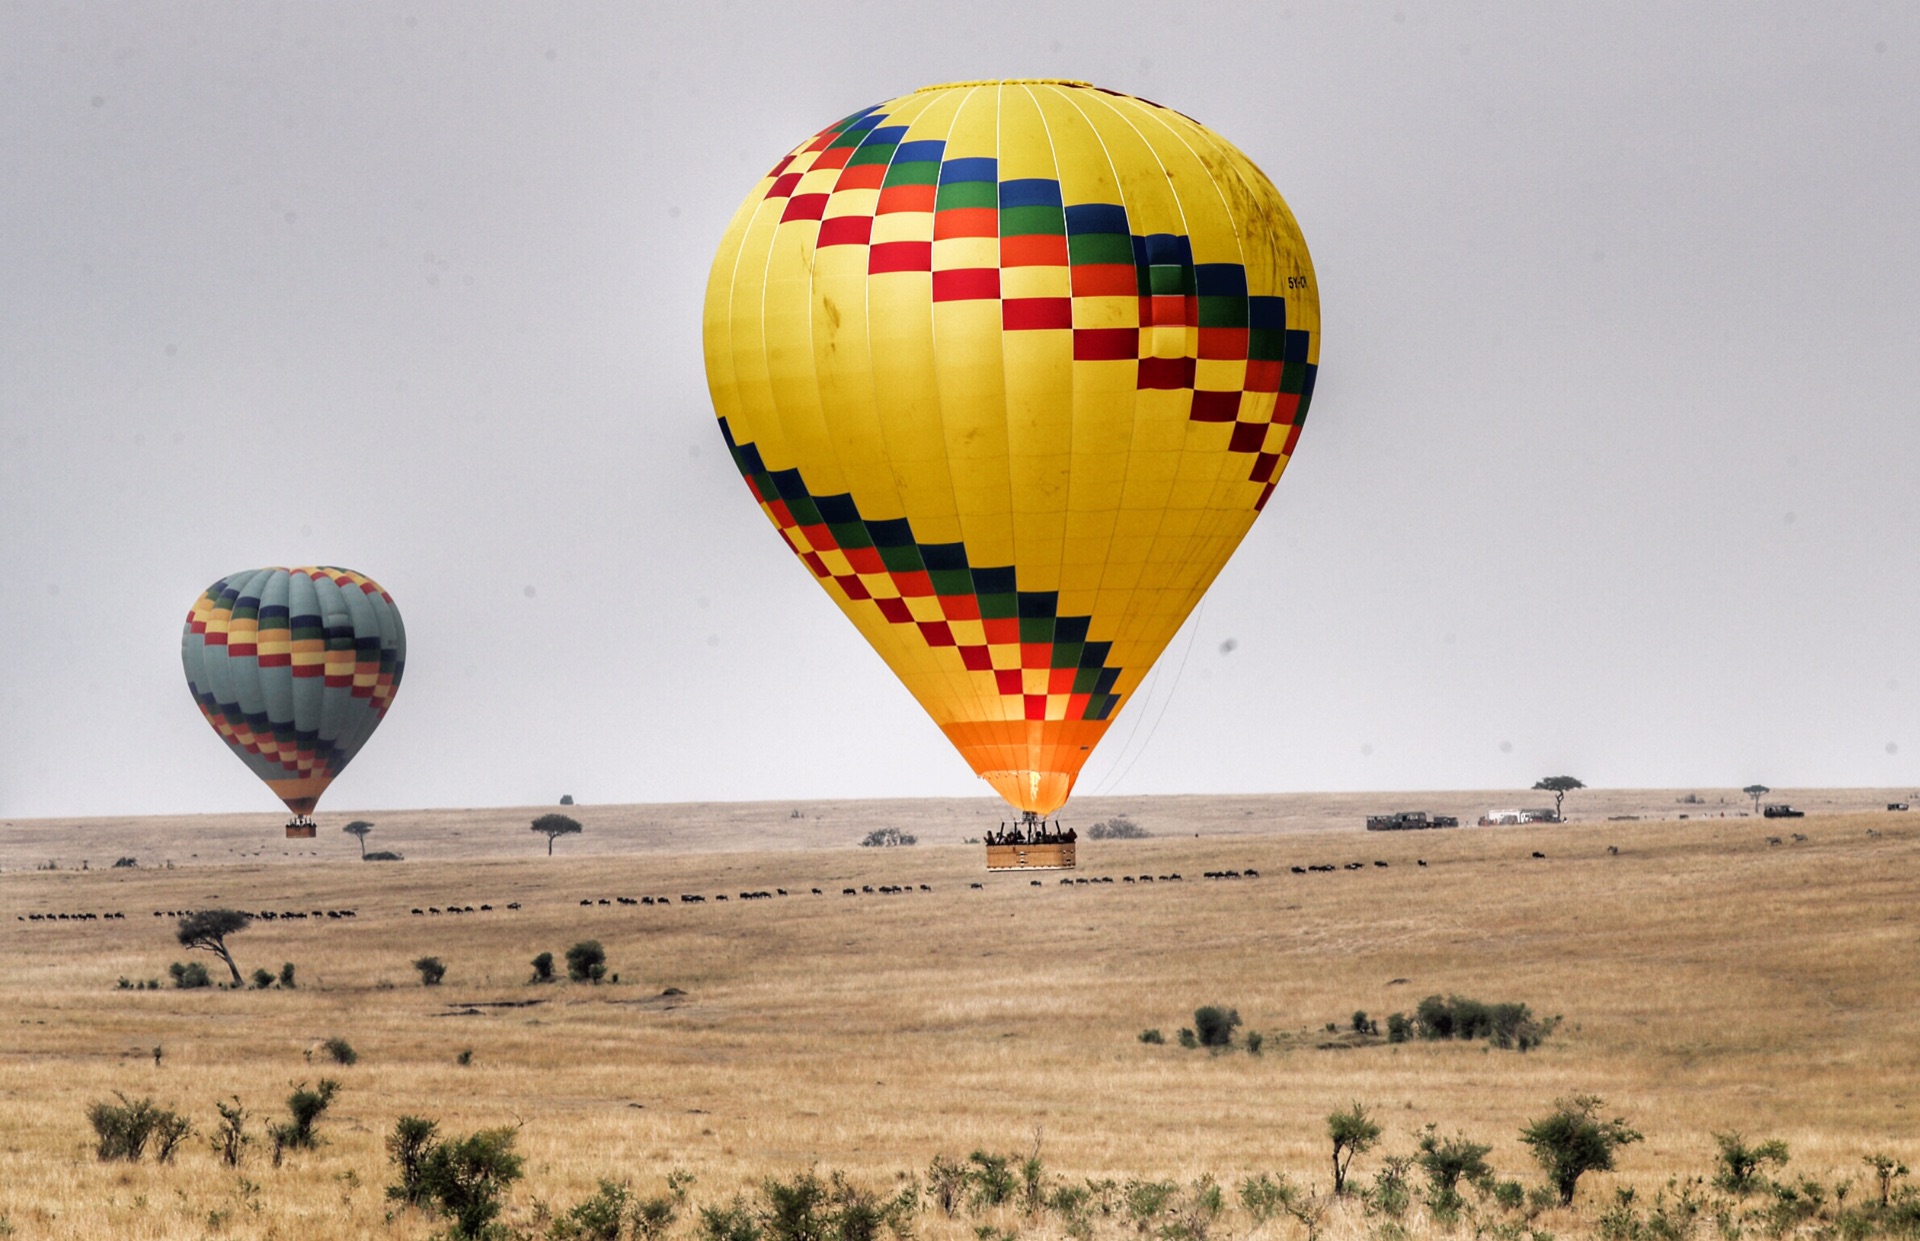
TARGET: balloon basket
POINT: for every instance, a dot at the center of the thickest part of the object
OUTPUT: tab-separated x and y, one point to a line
1030	857
1030	844
302	828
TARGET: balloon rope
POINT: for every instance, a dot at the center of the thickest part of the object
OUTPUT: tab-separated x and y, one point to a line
1120	772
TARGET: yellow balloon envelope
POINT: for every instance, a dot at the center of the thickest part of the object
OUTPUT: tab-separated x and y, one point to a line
1012	367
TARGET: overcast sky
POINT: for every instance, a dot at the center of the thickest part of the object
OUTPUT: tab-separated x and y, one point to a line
1613	467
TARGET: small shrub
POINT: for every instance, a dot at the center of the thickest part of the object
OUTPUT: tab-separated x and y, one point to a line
1399	1028
465	1057
432	970
1147	1201
946	1183
731	1222
122	1130
888	837
1740	1164
1187	1038
1152	1036
169	1130
1391	1192
1214	1025
990	1178
340	1051
587	961
1119	827
384	855
286	975
543	968
1447	1162
230	1139
1255	1041
795	1210
602	1217
305	1107
407	1148
653	1216
190	975
1265	1196
466	1178
262	979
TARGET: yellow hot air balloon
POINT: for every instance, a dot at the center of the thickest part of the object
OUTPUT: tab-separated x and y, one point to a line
1012	367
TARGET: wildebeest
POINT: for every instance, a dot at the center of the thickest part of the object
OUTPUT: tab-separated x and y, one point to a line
1537	853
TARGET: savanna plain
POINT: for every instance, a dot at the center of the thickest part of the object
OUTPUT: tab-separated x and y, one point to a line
1706	982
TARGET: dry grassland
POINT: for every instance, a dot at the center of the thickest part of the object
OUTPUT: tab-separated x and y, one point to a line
1707	981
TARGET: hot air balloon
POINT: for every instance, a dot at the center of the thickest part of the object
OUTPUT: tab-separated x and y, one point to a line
294	668
1012	367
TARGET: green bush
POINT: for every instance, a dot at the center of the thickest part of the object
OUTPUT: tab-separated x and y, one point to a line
1255	1040
1265	1196
1447	1162
230	1140
122	1130
286	975
304	1107
653	1216
340	1051
1391	1192
1187	1039
603	1217
732	1222
1119	827
1399	1028
1352	1132
1572	1140
407	1148
467	1177
189	975
946	1184
1147	1201
587	961
1740	1164
1214	1025
432	970
542	968
1152	1036
1507	1026
262	979
990	1178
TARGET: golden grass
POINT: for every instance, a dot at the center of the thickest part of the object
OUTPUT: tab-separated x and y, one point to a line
1707	980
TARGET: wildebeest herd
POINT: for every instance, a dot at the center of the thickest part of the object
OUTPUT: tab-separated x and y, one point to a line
689	898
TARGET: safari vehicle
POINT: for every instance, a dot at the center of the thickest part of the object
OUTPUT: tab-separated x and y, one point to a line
1409	821
1781	811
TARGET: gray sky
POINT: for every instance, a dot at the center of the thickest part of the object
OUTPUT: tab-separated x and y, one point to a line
1611	468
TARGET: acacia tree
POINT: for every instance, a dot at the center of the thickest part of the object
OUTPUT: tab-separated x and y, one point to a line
208	930
1756	791
1573	1141
1559	786
553	825
358	829
1353	1132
